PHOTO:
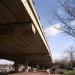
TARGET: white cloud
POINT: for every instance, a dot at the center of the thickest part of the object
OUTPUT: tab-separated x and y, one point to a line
56	57
52	31
72	23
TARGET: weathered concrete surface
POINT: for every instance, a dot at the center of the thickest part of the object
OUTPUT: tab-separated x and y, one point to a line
21	33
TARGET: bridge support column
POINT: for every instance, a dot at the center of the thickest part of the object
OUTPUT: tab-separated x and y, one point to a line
19	67
27	65
43	67
37	67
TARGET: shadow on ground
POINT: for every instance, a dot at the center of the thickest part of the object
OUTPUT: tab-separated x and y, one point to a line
3	74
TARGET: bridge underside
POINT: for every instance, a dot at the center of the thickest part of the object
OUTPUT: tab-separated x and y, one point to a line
19	38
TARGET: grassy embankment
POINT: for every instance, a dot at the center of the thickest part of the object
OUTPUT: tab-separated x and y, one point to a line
69	72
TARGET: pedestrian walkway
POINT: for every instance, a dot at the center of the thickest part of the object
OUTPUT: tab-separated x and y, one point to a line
31	73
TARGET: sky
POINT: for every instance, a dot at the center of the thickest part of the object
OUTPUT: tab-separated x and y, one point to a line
57	40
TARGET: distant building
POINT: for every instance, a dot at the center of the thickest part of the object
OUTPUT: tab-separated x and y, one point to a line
6	68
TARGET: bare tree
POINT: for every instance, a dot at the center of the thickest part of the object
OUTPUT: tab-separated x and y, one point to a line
67	22
70	52
67	26
66	17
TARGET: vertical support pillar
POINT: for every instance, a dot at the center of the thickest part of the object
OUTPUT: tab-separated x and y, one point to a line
16	66
43	67
27	63
37	67
19	66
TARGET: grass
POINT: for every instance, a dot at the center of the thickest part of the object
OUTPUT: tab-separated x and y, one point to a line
69	72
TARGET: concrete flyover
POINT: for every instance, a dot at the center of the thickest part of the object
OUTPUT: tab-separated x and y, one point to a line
22	38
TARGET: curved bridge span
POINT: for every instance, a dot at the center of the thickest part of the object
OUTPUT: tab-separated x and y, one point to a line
22	38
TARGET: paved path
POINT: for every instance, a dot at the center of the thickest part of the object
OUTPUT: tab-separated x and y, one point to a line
25	73
30	73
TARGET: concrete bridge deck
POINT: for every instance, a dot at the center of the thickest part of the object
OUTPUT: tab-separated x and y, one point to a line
22	38
21	35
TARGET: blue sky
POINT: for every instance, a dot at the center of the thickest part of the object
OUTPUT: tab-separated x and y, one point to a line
57	40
